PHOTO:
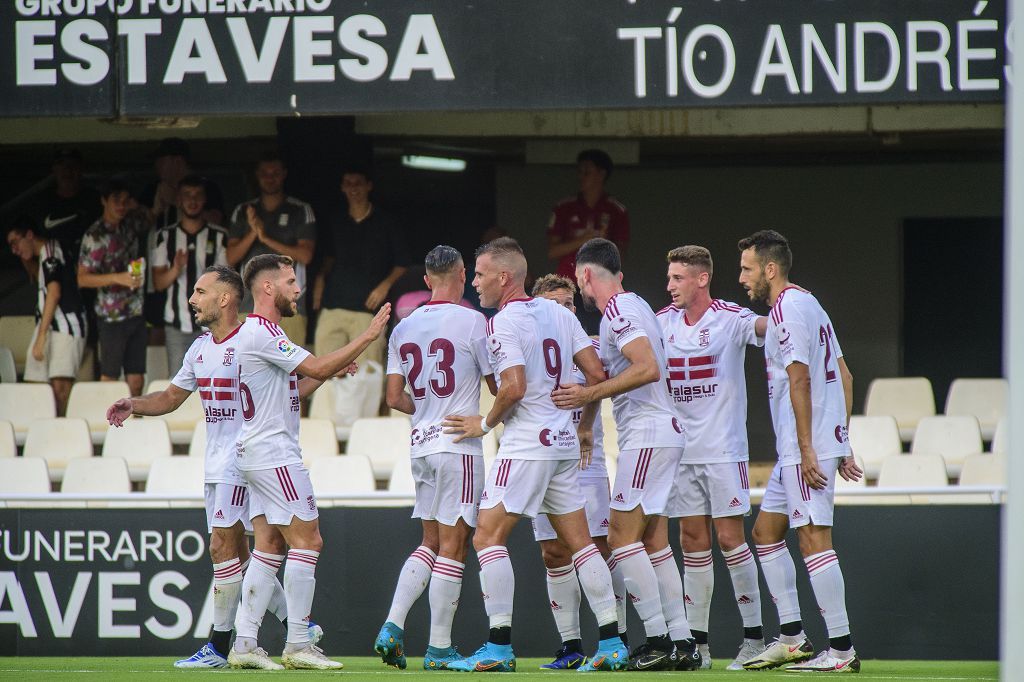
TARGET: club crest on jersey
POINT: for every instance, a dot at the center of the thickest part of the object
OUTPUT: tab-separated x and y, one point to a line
704	337
286	348
229	356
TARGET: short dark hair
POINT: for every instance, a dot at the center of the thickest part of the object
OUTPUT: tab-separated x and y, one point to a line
601	252
22	225
697	256
228	275
442	260
502	246
192	180
262	263
599	158
271	156
114	185
358	169
549	283
769	246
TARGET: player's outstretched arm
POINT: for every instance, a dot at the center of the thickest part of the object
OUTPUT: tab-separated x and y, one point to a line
323	368
643	369
510	392
396	396
149	405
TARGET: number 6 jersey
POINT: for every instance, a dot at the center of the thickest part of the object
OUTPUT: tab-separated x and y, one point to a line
799	330
441	351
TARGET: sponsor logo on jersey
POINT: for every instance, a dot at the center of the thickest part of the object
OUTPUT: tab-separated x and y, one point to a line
842	433
604	523
199	360
797	514
620	498
561	439
687	600
687	394
311	503
229	356
783	335
621	325
555	606
420	437
633	598
676	425
483	497
495	347
219	515
744	599
735	503
50	223
704	337
215	415
286	348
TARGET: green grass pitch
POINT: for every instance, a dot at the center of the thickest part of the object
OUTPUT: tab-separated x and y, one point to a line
366	668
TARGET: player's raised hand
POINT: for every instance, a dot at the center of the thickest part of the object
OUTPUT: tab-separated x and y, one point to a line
465	426
812	474
569	397
119	411
379	322
849	470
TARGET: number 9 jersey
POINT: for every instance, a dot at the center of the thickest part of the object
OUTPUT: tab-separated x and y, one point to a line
441	351
799	330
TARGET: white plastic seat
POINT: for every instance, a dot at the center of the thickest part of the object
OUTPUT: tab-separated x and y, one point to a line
138	442
1001	438
176	475
952	437
89	400
914	471
321	406
182	421
16	333
983	469
197	444
8	370
156	364
907	399
385	440
24	475
854	500
96	475
20	404
344	474
58	441
401	480
8	446
317	439
872	439
984	399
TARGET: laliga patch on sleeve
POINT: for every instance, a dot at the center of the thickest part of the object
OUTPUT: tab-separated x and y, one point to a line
287	349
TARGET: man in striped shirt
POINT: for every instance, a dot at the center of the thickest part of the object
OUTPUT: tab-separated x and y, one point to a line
55	351
182	253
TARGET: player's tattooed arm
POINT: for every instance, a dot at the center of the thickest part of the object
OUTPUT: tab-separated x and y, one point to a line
149	405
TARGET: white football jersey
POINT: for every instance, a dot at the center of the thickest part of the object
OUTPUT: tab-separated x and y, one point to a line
645	417
211	368
799	330
441	350
706	379
597	468
269	395
543	337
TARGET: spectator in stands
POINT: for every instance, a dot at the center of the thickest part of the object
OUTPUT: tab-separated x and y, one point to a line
111	262
58	342
65	211
592	212
182	254
274	222
367	256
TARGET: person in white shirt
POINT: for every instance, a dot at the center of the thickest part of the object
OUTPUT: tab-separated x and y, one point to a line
268	456
533	344
651	442
440	353
810	391
563	586
706	340
210	367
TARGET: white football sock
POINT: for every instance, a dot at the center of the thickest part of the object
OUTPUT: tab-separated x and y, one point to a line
642	586
699	577
413	579
619	586
829	591
445	588
780	576
227	587
743	572
498	584
299	586
597	584
670	585
257	588
564	598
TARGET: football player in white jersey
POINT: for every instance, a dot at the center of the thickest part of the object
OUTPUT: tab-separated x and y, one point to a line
706	341
210	368
440	353
651	441
533	344
810	391
563	586
268	456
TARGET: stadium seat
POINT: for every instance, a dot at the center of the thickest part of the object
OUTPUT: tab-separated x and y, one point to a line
984	399
58	441
182	422
197	444
344	474
8	370
20	404
156	364
176	475
952	437
8	446
1001	438
89	401
907	399
317	439
138	443
26	476
983	469
872	440
321	406
96	475
16	333
843	485
384	440
401	480
913	471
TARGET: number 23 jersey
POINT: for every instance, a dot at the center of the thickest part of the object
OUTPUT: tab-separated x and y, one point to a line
799	330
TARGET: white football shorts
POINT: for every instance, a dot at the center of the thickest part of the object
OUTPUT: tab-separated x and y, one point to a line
646	477
717	490
786	493
281	493
534	486
448	487
595	490
226	505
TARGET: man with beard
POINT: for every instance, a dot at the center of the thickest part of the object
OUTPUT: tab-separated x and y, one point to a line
183	251
810	391
267	454
211	367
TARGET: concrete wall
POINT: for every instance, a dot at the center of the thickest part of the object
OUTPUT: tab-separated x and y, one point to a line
843	222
